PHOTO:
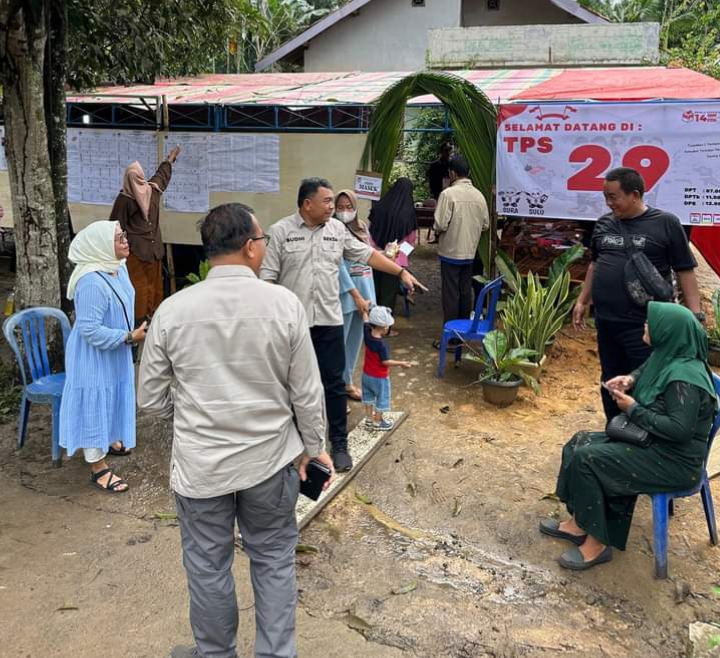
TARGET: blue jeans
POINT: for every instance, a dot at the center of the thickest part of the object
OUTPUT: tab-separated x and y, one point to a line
376	391
353	332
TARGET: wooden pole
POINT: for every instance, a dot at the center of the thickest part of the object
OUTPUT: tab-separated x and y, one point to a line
168	246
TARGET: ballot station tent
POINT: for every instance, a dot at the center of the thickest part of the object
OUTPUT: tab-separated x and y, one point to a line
251	138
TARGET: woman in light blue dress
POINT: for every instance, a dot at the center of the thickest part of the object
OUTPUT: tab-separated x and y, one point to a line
97	412
357	289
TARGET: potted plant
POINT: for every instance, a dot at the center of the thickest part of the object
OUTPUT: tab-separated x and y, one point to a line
714	332
535	313
505	369
544	294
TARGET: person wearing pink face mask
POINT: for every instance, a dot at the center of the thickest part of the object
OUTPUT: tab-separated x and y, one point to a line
357	289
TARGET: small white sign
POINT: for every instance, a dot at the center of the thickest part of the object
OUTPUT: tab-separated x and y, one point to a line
368	185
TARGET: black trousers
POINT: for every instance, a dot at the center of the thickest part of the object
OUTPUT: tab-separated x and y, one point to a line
456	290
621	350
329	344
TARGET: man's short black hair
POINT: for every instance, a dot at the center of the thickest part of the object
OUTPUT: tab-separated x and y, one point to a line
309	187
630	180
226	229
460	166
446	146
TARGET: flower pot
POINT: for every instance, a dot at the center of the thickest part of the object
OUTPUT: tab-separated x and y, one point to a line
501	394
714	356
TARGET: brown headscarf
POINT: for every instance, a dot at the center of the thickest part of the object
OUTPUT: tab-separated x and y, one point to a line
136	187
358	228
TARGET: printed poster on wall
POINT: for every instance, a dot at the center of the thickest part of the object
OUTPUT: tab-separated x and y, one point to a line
552	158
96	161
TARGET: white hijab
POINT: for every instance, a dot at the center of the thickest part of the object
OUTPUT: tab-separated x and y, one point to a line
93	250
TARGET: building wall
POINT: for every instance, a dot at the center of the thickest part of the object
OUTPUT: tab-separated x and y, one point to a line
514	12
332	156
387	35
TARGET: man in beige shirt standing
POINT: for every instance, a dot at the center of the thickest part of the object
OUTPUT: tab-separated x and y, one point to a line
305	255
460	218
229	360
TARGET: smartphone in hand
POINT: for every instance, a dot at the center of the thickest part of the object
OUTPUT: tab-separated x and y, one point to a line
317	475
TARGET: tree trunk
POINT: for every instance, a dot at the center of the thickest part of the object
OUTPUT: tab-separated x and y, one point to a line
22	41
56	122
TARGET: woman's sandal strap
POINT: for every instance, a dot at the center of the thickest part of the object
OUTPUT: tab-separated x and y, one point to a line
111	485
96	476
114	485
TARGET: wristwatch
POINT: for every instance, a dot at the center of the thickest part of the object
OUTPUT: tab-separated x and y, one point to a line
129	338
701	317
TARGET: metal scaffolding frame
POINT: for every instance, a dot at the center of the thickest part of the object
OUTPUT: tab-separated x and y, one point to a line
152	113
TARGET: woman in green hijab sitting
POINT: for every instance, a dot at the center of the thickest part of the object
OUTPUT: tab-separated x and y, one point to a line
672	397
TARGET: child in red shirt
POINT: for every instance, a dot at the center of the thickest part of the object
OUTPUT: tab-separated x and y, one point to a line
376	370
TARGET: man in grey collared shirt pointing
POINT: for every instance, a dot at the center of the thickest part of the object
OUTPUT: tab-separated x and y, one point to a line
229	360
304	255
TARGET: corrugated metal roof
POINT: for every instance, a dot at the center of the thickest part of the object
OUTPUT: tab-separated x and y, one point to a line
355	88
307	89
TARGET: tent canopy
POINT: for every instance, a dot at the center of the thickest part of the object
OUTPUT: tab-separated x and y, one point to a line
356	88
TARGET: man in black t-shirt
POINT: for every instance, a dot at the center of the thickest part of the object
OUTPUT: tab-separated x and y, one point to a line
619	321
438	174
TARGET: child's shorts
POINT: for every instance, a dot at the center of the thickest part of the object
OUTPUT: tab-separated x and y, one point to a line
376	391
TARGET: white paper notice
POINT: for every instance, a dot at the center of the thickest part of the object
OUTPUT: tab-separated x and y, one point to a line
97	159
188	190
244	163
406	248
3	161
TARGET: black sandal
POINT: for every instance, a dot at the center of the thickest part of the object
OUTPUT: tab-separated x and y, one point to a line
122	452
112	487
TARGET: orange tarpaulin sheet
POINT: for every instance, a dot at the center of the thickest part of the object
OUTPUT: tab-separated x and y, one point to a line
632	84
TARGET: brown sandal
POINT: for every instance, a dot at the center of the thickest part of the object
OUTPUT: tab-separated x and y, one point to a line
111	487
122	451
353	393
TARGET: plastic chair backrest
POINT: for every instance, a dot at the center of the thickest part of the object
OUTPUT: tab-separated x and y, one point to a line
493	287
32	325
716	425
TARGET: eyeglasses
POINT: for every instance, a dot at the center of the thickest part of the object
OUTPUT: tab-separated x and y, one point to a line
121	237
260	237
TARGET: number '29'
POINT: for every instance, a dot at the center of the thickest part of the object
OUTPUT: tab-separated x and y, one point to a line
650	161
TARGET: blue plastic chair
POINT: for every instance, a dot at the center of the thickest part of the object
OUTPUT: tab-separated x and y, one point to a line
471	330
663	506
45	387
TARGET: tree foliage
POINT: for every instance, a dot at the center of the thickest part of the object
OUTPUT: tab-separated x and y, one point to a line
125	41
689	29
131	41
265	25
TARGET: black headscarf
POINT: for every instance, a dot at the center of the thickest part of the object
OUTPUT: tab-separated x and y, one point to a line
393	217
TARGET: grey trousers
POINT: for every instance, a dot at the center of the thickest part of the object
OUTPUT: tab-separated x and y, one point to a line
265	515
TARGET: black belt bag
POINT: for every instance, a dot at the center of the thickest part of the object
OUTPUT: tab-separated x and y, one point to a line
621	428
643	282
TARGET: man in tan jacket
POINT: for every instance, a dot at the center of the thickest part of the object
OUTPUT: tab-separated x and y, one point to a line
460	218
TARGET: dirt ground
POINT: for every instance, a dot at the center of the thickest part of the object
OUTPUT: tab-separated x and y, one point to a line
446	561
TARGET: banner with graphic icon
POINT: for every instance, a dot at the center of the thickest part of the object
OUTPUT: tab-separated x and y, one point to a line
552	158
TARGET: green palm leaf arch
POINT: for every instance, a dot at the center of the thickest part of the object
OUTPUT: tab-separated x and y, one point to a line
473	119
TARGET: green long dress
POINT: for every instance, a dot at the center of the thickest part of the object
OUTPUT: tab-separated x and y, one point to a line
600	479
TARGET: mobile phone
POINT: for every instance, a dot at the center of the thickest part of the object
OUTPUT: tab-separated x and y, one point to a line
317	475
